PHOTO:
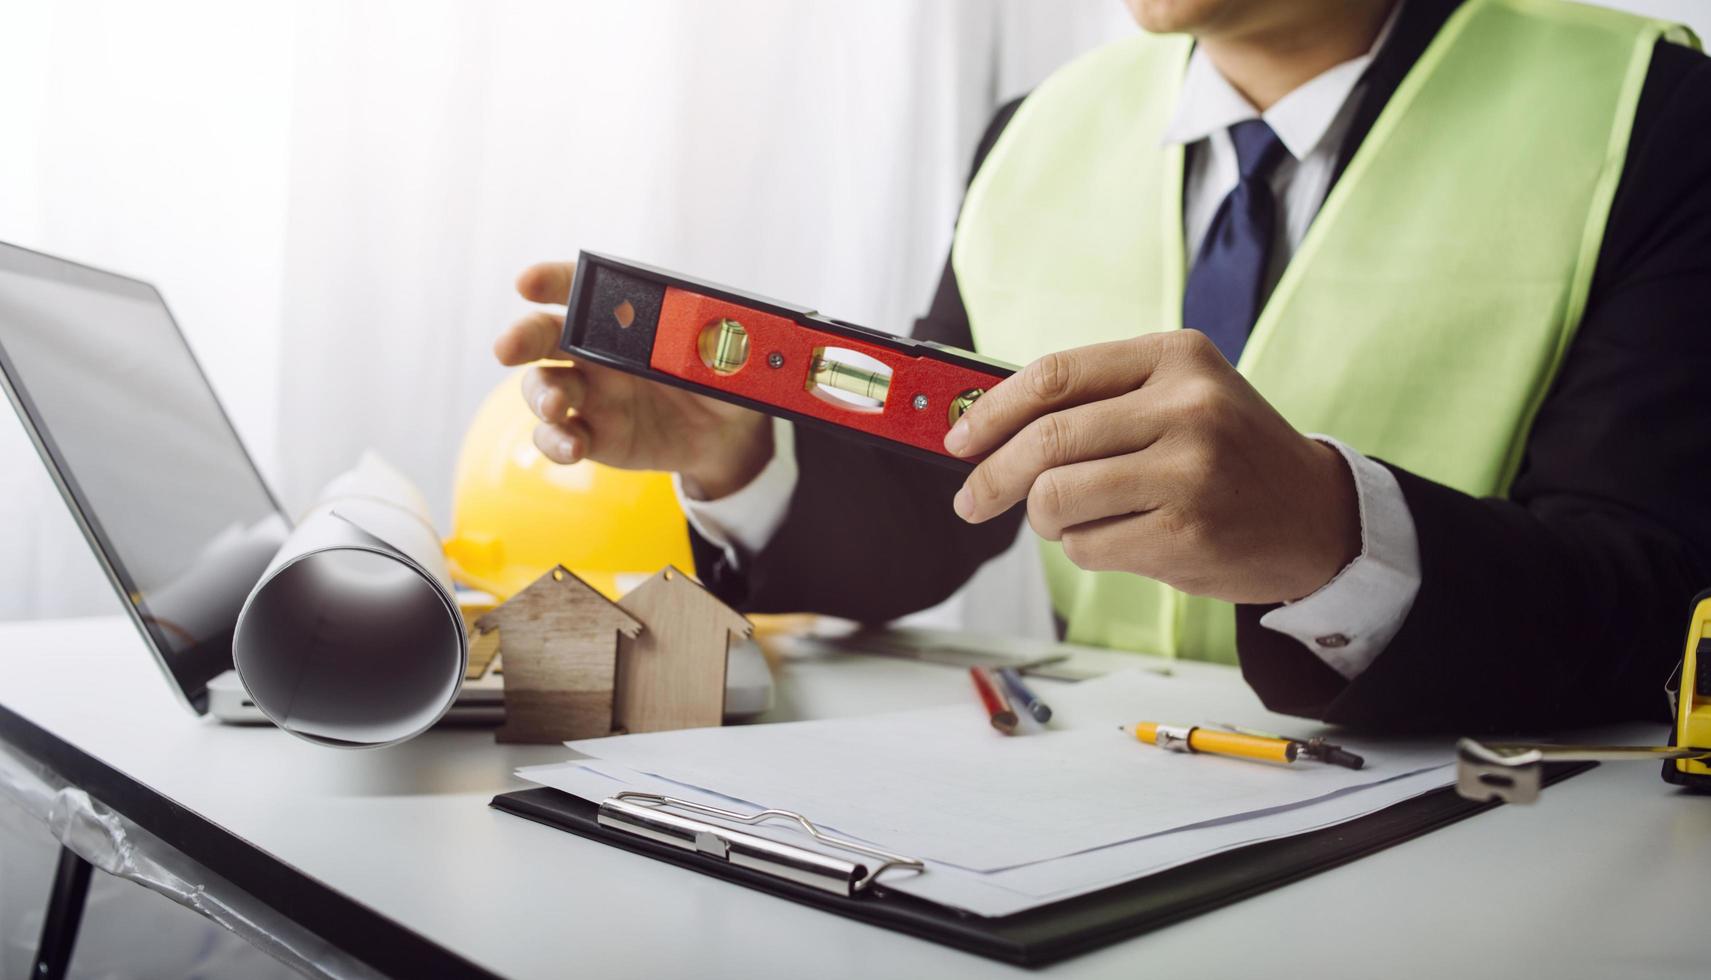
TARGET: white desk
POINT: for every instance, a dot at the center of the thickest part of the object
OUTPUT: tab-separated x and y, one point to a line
1596	881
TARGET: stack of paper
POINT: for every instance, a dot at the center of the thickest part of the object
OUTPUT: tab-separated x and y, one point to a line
1006	824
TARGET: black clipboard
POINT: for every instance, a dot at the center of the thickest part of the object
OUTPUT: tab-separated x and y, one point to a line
1073	926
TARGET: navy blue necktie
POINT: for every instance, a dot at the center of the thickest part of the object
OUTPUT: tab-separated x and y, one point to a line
1222	298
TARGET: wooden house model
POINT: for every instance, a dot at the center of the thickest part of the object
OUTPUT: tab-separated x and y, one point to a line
671	675
559	640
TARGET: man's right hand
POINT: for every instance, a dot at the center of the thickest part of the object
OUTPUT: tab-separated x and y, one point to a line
589	411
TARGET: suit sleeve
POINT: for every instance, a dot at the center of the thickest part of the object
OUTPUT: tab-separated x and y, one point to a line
1564	603
868	535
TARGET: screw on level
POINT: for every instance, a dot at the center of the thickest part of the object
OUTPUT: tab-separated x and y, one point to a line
919	401
775	360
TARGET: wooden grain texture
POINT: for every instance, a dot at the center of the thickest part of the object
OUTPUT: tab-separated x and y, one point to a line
672	675
558	638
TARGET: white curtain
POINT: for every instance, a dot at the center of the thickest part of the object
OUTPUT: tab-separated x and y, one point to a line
335	197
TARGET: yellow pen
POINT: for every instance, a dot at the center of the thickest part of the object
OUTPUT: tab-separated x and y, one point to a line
1186	738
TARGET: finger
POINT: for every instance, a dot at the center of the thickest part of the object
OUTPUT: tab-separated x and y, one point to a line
547	282
554	391
1055	381
564	442
1095	490
530	339
1109	427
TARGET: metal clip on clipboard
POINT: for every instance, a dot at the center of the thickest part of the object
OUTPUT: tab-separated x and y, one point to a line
644	815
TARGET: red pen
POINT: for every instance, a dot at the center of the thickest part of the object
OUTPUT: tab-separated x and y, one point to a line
997	705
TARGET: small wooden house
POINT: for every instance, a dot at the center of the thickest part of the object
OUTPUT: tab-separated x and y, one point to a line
559	640
672	674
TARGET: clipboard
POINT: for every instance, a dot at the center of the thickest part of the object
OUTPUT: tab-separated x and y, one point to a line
1039	936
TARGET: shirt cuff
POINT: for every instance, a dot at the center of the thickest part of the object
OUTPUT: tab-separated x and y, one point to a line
746	520
1353	617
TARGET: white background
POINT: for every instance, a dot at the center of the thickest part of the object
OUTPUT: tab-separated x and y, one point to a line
335	197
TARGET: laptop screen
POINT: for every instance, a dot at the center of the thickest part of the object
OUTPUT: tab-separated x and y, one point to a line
142	451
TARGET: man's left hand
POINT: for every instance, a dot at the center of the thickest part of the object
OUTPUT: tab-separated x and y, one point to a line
1154	456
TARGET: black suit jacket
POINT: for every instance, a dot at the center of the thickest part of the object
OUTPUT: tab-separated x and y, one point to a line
1561	604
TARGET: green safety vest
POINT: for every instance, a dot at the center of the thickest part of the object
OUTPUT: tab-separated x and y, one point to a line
1424	314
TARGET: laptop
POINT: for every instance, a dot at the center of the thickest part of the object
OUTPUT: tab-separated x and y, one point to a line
155	475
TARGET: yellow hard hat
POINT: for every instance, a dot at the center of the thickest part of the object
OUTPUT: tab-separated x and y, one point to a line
516	514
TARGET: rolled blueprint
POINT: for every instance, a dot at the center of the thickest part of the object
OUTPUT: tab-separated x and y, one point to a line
352	637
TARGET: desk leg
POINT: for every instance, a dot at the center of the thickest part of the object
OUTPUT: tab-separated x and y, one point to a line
65	914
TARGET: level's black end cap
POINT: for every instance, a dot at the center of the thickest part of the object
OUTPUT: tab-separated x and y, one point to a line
612	313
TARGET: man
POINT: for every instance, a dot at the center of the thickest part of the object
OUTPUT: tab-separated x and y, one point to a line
1439	435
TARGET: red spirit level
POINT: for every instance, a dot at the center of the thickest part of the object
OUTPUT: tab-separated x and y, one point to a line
772	357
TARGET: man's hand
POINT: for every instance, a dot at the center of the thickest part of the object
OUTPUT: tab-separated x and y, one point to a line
1154	456
589	411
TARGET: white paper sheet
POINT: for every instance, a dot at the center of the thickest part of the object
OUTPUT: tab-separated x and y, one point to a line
352	636
941	784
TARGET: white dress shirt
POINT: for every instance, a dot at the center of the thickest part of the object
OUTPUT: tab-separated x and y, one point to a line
1350	620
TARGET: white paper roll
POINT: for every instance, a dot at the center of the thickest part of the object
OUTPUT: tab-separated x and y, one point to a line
352	637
